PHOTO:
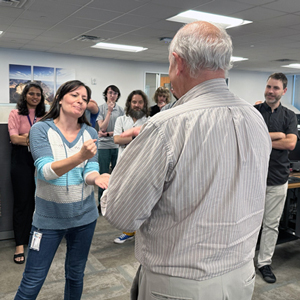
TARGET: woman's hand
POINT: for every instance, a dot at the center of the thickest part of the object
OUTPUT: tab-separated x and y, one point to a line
20	139
88	149
161	104
102	180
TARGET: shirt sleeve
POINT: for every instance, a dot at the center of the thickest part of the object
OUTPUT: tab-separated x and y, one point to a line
92	164
118	126
41	151
293	125
13	123
101	115
130	199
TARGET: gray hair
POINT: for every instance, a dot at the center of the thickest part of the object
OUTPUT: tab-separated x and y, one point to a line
203	45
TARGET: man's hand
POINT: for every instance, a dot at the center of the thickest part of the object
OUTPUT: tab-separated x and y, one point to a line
101	133
258	102
132	132
288	142
277	135
102	180
110	106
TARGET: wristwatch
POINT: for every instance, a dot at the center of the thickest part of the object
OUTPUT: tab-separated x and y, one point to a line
107	134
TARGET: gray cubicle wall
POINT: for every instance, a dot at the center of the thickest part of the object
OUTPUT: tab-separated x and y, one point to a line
6	193
6	197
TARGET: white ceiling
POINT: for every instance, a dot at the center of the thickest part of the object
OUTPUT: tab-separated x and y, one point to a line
52	26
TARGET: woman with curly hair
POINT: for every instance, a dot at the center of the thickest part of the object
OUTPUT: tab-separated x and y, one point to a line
161	97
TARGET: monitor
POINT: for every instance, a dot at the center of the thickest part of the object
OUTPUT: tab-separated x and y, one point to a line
294	155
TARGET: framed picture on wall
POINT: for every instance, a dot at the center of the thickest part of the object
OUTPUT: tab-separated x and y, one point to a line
19	76
45	77
63	75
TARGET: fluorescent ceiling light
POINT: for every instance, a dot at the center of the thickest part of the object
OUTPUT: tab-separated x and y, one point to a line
237	58
193	15
294	66
119	47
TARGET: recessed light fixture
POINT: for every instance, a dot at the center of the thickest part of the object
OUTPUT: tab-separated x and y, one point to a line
237	58
89	38
166	40
119	47
193	15
1	32
294	66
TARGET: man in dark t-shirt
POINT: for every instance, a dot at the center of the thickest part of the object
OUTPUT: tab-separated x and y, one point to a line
282	125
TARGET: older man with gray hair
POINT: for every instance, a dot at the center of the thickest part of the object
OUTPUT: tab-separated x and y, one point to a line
195	189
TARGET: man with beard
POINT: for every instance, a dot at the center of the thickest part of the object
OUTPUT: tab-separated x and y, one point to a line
282	125
136	114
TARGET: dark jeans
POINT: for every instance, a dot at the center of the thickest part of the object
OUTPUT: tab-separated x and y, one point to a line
38	262
106	157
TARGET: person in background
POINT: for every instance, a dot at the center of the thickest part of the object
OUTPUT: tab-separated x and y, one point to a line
161	98
107	149
92	112
192	184
30	108
282	126
136	114
63	146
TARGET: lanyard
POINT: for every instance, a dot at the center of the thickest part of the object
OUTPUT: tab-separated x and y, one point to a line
34	120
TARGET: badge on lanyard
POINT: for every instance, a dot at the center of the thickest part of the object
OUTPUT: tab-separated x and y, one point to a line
34	120
36	240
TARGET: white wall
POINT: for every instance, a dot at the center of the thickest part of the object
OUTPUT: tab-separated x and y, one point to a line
127	75
251	86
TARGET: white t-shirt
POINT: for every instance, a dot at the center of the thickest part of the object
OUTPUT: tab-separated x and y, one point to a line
124	123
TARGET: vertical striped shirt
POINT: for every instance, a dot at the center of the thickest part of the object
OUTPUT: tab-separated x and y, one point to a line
193	184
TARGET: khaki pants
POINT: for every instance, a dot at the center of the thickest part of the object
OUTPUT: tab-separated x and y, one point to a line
275	199
235	285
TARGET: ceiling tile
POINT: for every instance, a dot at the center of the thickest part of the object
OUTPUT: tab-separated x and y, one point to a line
52	25
290	6
223	7
258	14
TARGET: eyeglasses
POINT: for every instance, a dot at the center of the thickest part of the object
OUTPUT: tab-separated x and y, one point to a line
37	94
112	93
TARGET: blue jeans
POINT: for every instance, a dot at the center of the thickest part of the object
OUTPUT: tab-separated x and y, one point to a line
78	239
106	157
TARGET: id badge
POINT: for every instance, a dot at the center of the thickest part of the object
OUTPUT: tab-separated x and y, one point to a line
36	240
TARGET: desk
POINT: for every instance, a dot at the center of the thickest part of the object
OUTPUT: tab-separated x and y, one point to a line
296	184
290	220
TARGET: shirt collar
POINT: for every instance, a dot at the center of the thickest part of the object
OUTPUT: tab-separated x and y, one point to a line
269	109
202	88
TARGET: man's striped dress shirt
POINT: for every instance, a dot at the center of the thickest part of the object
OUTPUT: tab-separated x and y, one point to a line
193	185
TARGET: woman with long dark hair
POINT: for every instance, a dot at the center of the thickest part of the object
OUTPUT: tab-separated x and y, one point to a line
30	108
63	147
